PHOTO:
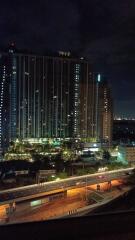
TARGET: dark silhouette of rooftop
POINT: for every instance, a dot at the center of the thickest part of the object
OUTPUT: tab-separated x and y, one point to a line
110	226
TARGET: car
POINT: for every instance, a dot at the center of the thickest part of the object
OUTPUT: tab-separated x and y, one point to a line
101	176
79	183
129	173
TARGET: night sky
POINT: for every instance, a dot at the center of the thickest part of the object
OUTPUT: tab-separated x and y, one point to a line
101	30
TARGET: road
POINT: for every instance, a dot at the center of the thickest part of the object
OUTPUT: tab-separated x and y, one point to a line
32	191
76	199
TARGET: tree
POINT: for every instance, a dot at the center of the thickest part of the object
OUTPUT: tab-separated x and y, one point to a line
106	155
115	165
81	172
67	154
62	175
59	163
91	170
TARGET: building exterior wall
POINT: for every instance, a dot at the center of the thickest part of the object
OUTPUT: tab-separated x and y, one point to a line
88	105
48	99
127	154
4	104
12	75
53	97
96	110
130	154
105	112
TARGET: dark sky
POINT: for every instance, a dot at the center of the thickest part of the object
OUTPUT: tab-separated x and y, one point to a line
103	30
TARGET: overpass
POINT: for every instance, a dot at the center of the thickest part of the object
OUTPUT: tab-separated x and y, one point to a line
37	190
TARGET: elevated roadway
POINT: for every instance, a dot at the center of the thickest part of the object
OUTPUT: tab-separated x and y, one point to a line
37	190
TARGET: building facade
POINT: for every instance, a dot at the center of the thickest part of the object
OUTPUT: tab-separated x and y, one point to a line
5	99
88	105
48	96
124	131
126	154
105	112
52	97
96	108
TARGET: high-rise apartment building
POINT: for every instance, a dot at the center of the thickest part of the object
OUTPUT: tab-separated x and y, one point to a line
49	97
4	105
88	105
105	111
96	111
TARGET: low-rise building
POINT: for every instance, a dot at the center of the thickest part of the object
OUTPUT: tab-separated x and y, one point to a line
126	154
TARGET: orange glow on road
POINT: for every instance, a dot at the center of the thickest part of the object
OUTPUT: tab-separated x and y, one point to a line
104	186
76	199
